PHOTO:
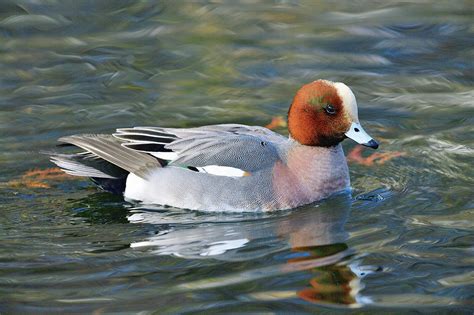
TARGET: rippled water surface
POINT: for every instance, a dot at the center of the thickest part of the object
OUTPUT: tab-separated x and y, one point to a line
403	242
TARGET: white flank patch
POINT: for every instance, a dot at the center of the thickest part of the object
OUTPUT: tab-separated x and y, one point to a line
222	171
208	169
169	156
135	187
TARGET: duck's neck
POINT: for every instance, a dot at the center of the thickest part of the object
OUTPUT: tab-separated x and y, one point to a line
318	171
318	165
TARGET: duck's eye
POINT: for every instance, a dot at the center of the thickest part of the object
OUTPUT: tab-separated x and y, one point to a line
330	109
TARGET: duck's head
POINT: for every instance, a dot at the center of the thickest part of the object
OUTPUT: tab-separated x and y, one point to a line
324	113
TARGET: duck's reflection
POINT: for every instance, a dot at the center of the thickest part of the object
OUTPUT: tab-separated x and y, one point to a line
314	235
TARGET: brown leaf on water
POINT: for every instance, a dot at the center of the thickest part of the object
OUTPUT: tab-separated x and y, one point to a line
277	122
28	183
379	158
39	178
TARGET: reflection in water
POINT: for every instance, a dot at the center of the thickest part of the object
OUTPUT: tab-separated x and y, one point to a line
314	236
338	283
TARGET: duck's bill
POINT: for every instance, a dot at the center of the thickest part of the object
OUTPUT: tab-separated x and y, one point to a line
358	134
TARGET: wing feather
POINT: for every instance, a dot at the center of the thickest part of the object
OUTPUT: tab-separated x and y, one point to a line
249	148
111	150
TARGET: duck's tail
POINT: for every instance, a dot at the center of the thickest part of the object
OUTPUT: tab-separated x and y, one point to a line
105	161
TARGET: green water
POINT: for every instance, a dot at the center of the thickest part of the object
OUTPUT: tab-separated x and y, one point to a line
402	244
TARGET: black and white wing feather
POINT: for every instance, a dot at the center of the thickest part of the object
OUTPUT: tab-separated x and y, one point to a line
249	148
107	148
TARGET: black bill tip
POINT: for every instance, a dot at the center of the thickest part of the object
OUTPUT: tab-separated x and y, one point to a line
372	144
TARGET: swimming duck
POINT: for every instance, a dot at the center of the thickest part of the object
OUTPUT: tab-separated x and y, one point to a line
229	167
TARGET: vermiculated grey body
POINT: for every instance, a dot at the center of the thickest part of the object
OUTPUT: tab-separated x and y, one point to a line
280	173
283	186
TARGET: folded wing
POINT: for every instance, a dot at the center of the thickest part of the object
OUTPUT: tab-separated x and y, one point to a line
237	146
107	148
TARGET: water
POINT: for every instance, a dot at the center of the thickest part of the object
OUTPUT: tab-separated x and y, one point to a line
402	243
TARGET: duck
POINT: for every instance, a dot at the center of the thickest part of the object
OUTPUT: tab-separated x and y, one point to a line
228	167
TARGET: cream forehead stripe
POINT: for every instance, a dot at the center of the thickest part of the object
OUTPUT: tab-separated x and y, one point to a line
348	100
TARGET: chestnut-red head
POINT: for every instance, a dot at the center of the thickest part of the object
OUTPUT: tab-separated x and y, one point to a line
324	113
